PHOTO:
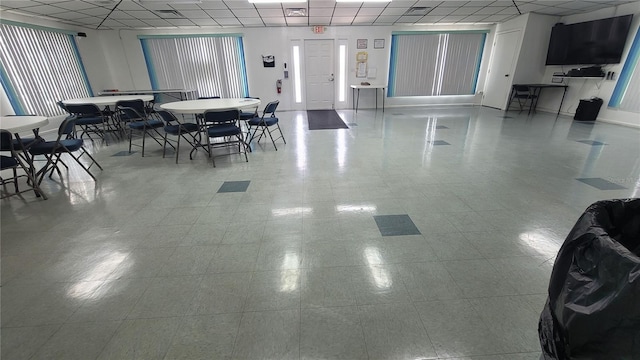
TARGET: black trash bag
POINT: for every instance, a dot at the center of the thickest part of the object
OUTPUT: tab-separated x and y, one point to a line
593	308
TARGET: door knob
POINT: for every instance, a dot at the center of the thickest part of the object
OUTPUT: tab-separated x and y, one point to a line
331	78
506	75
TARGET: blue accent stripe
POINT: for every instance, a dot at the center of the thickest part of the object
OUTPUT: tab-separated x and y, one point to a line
150	68
392	66
11	93
630	64
243	68
438	32
475	76
85	78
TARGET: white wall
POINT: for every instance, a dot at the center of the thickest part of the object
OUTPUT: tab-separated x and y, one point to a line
530	66
584	89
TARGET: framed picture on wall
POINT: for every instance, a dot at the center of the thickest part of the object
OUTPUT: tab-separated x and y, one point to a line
378	44
362	43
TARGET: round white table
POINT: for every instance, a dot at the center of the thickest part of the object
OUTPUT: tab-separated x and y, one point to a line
18	124
200	106
106	100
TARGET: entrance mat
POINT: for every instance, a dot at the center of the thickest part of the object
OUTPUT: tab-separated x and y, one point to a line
325	120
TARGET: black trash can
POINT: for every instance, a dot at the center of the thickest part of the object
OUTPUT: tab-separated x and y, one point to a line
588	109
593	308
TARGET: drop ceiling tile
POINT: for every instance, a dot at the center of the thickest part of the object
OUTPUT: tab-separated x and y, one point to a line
344	12
509	11
126	5
502	3
490	10
158	6
319	20
158	22
576	5
96	11
268	6
213	5
227	21
143	14
388	18
374	4
451	19
409	19
253	21
239	4
195	14
70	15
341	20
480	2
441	11
245	12
270	12
275	21
497	18
342	5
112	23
180	22
550	10
401	3
69	5
44	10
393	11
204	22
120	15
552	2
134	23
297	21
474	18
428	3
179	6
18	4
530	7
430	19
370	11
220	13
465	10
320	11
322	3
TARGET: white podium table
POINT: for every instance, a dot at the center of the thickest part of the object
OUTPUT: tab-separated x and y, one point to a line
375	87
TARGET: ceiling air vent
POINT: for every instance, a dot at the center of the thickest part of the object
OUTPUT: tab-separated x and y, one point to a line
295	12
417	11
169	14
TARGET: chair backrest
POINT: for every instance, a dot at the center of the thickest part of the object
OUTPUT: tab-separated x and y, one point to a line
208	97
521	88
271	108
62	106
224	117
83	110
137	105
167	117
6	141
67	127
130	114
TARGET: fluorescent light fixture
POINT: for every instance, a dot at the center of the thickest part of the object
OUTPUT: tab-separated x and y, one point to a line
295	12
275	1
365	1
342	73
297	86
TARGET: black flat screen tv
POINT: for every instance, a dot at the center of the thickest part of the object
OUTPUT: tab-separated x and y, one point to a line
595	42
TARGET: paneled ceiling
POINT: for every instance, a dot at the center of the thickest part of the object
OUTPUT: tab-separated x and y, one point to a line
139	14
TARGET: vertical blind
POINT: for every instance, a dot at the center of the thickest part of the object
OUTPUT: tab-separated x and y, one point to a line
435	64
39	68
626	95
214	66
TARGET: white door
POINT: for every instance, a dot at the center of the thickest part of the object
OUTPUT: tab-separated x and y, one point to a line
318	56
500	76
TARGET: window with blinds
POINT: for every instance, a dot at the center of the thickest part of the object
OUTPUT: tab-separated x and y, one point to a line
626	95
435	64
214	65
38	68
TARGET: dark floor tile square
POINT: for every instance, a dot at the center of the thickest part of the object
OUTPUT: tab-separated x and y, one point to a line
234	186
601	184
396	225
439	142
441	127
591	142
124	153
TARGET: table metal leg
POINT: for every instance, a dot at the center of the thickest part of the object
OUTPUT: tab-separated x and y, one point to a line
358	101
383	91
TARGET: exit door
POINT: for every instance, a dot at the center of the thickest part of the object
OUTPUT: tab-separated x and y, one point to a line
500	75
319	74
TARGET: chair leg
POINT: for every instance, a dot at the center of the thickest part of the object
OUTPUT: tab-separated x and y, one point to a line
144	136
15	179
130	139
77	159
281	134
271	137
178	146
164	145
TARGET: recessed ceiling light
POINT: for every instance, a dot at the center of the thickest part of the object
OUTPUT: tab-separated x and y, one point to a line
295	12
169	14
417	11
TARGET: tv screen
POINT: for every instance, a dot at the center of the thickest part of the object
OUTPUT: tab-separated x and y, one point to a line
593	42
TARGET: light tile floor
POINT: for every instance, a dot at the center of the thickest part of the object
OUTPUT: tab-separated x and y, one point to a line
152	261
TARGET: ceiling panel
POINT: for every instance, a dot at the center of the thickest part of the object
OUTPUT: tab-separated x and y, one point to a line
127	13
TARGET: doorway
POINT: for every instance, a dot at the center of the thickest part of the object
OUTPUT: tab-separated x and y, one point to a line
500	75
319	74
